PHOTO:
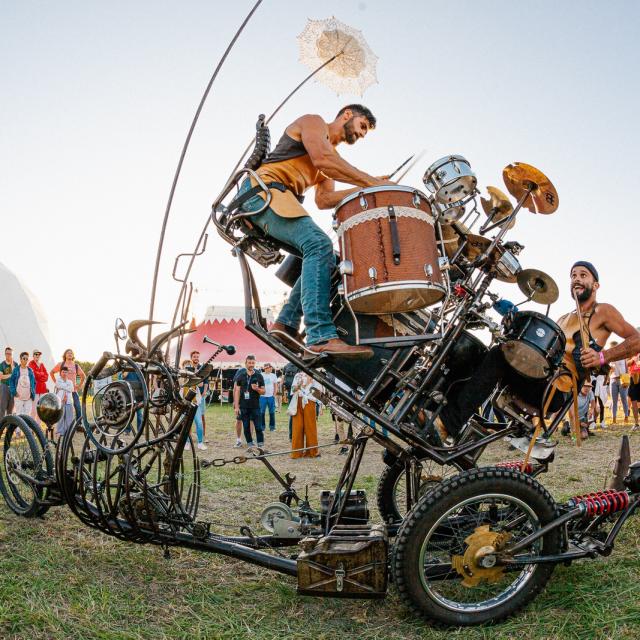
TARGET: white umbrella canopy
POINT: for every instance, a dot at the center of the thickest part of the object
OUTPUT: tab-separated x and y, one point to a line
352	66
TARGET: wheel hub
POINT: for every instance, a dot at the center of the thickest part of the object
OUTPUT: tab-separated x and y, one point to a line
478	563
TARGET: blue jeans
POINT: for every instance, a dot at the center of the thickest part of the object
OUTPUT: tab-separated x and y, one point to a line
269	403
247	416
618	390
76	404
198	420
310	294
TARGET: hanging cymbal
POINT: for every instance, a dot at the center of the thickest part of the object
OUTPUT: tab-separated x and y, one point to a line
519	177
476	245
497	206
538	286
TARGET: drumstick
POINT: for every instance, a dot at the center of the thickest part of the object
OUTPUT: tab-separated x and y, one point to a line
400	167
413	164
583	331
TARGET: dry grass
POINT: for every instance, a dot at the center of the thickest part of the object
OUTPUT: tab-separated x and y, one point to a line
59	579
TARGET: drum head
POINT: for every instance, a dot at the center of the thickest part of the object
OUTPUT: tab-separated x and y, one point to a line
395	298
526	359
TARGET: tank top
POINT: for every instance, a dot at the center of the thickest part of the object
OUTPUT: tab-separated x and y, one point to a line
290	164
570	325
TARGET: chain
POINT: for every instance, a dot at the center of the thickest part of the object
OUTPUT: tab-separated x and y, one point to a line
221	462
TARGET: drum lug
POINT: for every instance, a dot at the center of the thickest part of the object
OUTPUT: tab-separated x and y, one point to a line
416	199
341	289
428	269
346	268
373	274
335	224
363	201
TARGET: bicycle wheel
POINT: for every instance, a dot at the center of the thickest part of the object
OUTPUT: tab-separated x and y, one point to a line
437	559
392	487
21	460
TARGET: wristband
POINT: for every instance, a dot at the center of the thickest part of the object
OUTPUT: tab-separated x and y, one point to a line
601	356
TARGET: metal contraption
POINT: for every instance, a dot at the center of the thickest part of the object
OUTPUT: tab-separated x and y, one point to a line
465	545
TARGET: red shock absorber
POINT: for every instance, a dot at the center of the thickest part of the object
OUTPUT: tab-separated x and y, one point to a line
602	502
515	465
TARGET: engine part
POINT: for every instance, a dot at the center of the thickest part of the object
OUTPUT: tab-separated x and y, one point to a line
356	510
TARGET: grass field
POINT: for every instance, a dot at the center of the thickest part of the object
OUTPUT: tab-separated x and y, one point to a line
59	579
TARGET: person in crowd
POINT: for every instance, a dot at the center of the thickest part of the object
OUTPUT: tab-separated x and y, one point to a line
238	425
6	369
246	402
619	387
586	408
302	409
201	392
634	389
289	373
601	392
64	387
75	374
22	386
267	401
41	375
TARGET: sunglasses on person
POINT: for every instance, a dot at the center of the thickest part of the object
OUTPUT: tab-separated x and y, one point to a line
24	358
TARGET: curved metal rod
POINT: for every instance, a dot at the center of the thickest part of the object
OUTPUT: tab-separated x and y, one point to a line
228	183
181	160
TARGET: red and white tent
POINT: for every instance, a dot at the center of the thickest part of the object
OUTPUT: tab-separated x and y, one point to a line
226	326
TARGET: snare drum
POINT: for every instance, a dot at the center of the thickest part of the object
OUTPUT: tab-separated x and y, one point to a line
450	179
389	251
535	345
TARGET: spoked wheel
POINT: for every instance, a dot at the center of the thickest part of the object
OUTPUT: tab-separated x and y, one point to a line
440	560
392	486
21	460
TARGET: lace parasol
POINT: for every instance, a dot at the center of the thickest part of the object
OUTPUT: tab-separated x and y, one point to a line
350	64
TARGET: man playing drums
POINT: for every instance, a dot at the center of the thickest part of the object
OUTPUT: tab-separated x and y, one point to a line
306	157
600	321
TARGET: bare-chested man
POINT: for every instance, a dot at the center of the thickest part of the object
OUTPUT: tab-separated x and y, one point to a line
600	320
306	157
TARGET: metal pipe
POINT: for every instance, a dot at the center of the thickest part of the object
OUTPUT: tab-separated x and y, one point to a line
181	160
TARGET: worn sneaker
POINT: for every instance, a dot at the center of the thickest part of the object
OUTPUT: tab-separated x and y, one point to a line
202	446
238	444
250	447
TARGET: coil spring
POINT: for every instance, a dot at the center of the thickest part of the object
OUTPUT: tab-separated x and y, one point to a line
602	502
515	465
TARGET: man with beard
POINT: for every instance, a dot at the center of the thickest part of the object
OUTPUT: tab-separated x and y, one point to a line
600	321
306	157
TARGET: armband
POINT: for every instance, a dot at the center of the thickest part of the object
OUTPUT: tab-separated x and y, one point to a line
601	356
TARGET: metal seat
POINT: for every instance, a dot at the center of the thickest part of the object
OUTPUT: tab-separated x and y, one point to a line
233	224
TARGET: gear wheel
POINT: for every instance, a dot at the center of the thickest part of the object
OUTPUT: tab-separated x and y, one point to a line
479	562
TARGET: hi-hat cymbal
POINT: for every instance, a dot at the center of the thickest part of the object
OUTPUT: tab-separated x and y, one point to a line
497	205
538	286
519	177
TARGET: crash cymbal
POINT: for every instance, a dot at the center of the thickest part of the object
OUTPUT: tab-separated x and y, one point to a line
497	205
538	286
519	176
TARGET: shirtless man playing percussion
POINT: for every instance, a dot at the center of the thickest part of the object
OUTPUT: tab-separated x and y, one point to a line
600	320
306	157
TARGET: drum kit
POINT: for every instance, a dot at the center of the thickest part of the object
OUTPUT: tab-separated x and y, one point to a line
403	251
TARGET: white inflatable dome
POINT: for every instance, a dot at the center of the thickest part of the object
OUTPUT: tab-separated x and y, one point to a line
23	325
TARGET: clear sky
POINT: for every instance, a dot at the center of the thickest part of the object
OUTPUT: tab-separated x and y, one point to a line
97	97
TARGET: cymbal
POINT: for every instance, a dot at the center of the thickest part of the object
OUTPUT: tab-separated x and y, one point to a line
476	245
497	204
538	286
519	176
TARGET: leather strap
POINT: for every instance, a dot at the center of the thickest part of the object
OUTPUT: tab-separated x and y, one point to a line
395	238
